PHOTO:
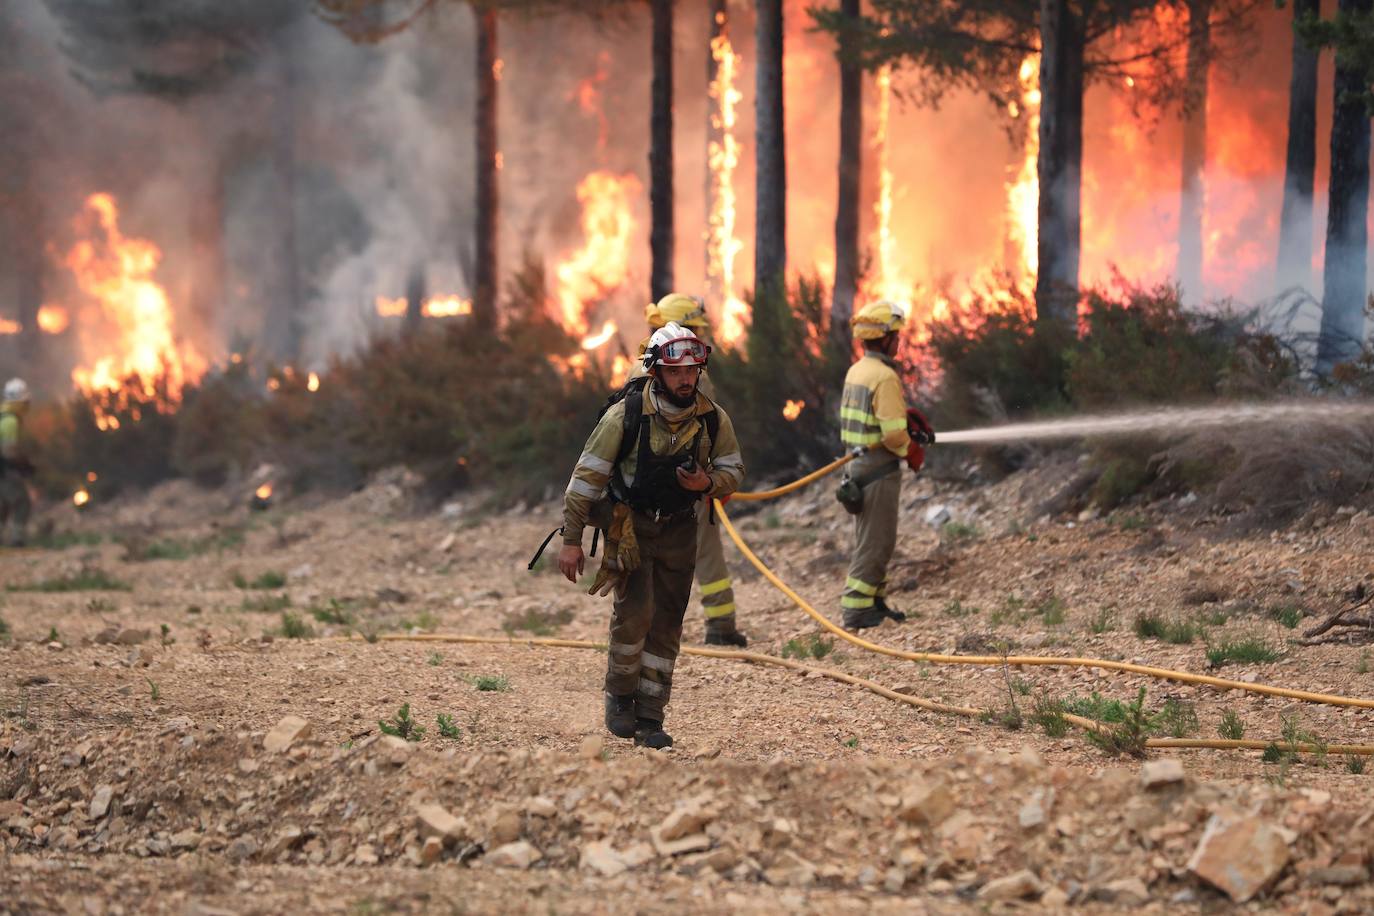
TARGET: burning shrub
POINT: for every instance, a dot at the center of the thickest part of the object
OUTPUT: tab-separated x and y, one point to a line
789	357
219	426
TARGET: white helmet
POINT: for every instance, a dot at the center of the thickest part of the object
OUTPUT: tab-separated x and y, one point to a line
16	390
674	345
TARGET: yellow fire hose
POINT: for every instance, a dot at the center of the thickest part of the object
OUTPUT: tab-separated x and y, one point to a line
1029	660
796	484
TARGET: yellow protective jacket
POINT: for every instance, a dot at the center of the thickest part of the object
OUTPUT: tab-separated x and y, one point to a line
720	459
10	433
872	406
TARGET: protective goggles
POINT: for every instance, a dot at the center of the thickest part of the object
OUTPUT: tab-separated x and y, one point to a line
681	351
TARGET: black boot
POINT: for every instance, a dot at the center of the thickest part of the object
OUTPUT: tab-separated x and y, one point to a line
862	620
650	734
721	631
620	715
888	612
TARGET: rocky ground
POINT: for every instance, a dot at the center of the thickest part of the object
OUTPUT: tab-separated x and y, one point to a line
184	726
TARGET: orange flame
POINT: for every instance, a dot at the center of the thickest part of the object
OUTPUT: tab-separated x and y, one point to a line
445	307
312	383
602	264
80	498
593	341
722	157
390	308
620	370
792	409
10	327
53	319
886	282
263	492
1023	195
92	477
117	271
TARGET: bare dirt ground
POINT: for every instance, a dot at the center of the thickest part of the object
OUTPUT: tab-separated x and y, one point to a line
134	776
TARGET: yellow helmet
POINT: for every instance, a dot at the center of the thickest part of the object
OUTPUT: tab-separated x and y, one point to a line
687	311
878	319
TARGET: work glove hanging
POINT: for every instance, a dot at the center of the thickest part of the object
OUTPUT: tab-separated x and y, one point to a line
915	456
918	427
621	555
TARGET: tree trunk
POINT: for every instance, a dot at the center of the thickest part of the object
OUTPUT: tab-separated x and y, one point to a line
283	324
1295	224
415	299
661	153
1345	277
1060	163
1193	196
487	230
847	207
770	217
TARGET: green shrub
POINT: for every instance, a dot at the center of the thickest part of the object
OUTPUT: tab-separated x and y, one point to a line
1177	632
268	580
402	725
1131	731
1231	726
1177	719
293	626
1246	651
86	580
1288	615
811	647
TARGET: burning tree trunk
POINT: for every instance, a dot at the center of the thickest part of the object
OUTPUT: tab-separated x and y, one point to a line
283	322
770	218
1190	255
487	228
415	299
1295	224
1345	276
1060	162
661	153
851	165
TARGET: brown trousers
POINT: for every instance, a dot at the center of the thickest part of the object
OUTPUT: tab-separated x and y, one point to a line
646	625
875	536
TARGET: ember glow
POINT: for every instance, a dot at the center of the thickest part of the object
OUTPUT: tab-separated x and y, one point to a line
81	497
445	306
390	308
134	333
601	266
792	409
264	492
10	327
722	158
312	384
53	319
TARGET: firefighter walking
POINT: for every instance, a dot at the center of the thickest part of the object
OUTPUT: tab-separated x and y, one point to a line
874	418
655	454
713	575
14	465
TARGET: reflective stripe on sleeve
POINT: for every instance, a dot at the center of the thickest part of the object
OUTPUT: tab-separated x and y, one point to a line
593	463
583	488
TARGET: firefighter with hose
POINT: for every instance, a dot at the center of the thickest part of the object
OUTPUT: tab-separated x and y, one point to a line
876	423
14	465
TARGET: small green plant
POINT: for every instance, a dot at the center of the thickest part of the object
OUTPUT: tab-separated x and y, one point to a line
370	636
435	659
446	727
1131	522
333	613
53	635
193	609
1362	666
423	621
1012	608
812	646
1231	727
1216	617
100	605
1178	719
1149	626
266	604
1097	707
1103	621
498	683
1178	632
61	540
87	580
1288	615
1271	754
1048	713
772	520
167	639
1354	764
957	608
1299	739
538	621
153	689
4	632
1130	734
293	626
1051	611
268	580
852	742
958	532
402	725
1022	686
1010	716
1249	651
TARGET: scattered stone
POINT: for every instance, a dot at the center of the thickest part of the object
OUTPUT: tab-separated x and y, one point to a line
1343	875
431	851
541	806
435	821
695	843
132	637
100	802
506	829
1021	885
289	730
242	849
519	854
687	818
186	839
600	857
1155	774
592	746
1033	813
926	803
938	516
1239	857
1124	891
365	854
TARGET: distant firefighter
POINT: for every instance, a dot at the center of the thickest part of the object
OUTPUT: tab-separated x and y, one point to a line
658	450
713	576
15	465
875	419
